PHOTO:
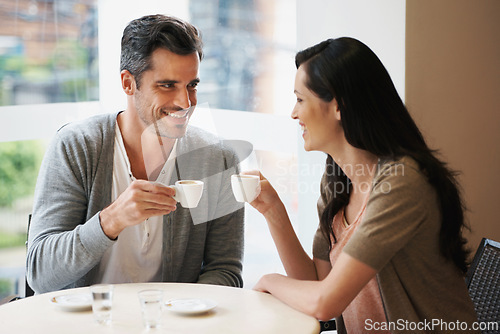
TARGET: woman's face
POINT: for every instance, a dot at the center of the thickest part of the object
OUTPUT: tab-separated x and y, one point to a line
319	120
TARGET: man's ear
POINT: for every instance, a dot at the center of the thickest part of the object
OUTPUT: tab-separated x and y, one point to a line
128	82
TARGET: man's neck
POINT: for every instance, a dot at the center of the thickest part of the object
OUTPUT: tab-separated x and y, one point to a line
146	151
155	152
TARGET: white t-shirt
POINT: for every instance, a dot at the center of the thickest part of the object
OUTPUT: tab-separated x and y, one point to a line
136	256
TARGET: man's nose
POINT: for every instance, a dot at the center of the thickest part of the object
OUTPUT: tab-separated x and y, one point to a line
182	99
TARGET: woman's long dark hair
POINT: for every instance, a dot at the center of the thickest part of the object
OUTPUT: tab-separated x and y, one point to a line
375	119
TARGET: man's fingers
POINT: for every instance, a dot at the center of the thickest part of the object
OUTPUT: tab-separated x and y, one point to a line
154	187
152	193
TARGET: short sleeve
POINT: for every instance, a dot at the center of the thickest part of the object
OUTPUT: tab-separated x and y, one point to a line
398	207
321	248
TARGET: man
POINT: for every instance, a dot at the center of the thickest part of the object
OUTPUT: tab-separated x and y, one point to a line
103	211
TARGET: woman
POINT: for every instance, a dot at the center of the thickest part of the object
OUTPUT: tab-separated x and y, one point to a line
389	253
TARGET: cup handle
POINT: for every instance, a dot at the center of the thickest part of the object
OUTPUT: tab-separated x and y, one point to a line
176	196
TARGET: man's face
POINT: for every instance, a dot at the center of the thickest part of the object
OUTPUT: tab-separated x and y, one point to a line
167	95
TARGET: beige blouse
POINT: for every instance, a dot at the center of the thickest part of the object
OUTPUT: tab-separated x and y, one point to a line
398	236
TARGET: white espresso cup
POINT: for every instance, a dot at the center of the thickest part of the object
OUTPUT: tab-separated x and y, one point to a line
188	192
245	187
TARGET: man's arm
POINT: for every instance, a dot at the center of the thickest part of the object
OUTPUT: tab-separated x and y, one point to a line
64	243
69	232
224	251
225	235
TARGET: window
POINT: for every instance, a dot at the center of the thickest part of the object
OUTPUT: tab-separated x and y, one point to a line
247	89
48	55
48	51
248	46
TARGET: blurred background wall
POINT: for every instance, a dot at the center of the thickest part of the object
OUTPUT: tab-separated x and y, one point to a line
452	89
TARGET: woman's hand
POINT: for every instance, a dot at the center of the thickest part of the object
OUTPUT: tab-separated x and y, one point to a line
262	284
268	200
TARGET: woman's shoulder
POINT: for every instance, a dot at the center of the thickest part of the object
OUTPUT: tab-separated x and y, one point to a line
403	173
404	168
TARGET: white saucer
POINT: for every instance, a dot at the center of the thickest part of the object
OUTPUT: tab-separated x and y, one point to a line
190	306
73	302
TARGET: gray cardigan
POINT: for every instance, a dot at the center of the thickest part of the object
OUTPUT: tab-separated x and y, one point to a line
66	241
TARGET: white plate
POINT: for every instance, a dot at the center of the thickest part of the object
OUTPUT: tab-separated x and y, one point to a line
190	305
73	302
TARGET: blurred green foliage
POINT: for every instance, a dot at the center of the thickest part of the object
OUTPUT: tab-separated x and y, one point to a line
6	287
10	239
19	164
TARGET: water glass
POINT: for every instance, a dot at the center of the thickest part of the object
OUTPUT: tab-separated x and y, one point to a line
102	301
151	306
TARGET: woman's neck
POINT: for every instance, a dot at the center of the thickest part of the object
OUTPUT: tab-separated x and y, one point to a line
359	166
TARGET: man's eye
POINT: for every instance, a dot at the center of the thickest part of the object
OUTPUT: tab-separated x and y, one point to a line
193	85
168	85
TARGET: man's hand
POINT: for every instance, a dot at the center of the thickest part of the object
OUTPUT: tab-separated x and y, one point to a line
141	200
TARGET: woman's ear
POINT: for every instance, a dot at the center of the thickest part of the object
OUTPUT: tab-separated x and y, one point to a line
335	108
128	82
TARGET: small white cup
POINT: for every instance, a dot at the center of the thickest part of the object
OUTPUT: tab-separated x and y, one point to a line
151	307
245	187
188	192
102	302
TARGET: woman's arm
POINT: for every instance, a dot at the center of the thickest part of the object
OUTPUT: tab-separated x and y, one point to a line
295	260
312	286
324	299
323	268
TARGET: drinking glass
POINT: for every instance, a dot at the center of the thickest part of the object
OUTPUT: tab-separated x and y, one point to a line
151	306
102	301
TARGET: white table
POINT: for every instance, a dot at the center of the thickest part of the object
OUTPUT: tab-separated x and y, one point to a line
237	311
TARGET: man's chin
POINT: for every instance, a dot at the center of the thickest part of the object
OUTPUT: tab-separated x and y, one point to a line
166	127
174	132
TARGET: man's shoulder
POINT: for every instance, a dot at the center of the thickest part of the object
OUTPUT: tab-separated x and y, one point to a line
94	127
